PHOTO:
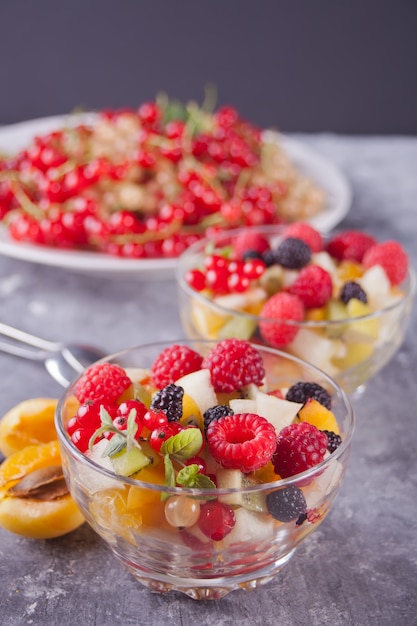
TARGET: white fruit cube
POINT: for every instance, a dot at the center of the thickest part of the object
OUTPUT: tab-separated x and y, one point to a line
199	387
278	412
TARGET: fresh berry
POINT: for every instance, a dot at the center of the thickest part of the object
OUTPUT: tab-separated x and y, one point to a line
243	441
293	253
154	419
391	256
302	391
139	409
174	362
306	232
300	446
169	401
248	241
233	364
350	290
350	245
286	504
313	285
215	413
104	381
334	440
216	519
161	434
277	319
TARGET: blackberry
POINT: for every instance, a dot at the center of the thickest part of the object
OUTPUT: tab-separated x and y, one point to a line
215	413
302	391
268	257
169	401
353	290
334	440
293	253
286	504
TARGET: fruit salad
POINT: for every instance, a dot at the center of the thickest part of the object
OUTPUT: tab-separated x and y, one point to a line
339	302
188	458
146	183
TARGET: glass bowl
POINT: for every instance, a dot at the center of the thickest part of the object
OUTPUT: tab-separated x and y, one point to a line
128	514
349	349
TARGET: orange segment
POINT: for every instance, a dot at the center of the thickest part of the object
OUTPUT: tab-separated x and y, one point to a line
315	413
29	423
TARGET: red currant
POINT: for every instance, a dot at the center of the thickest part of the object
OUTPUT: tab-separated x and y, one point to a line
216	519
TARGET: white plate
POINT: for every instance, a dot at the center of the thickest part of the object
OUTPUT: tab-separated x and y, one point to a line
17	136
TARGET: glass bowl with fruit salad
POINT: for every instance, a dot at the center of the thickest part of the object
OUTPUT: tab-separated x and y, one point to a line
202	464
341	301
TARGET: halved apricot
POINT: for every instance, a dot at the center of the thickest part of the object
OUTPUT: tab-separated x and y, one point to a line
37	519
30	504
28	423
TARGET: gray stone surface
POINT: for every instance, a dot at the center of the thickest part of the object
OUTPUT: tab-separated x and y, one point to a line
359	568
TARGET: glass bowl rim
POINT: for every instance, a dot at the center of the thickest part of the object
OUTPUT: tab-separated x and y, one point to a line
300	478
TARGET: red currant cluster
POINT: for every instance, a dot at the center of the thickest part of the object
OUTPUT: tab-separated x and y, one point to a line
140	183
222	275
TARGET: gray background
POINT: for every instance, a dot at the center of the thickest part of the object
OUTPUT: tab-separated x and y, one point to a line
299	65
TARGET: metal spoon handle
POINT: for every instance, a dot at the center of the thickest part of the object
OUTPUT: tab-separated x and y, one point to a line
26	338
26	353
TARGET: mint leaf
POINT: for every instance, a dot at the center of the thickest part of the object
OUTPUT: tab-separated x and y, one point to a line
191	477
106	420
187	475
184	445
169	476
132	429
115	445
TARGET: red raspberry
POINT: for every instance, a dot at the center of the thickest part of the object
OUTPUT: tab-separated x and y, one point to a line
174	362
299	447
392	257
277	315
243	441
313	285
351	245
248	240
104	381
234	363
304	231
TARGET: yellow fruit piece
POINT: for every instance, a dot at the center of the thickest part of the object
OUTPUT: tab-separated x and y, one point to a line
31	458
191	414
349	270
29	423
267	474
37	519
316	315
318	415
207	322
146	503
355	354
368	328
